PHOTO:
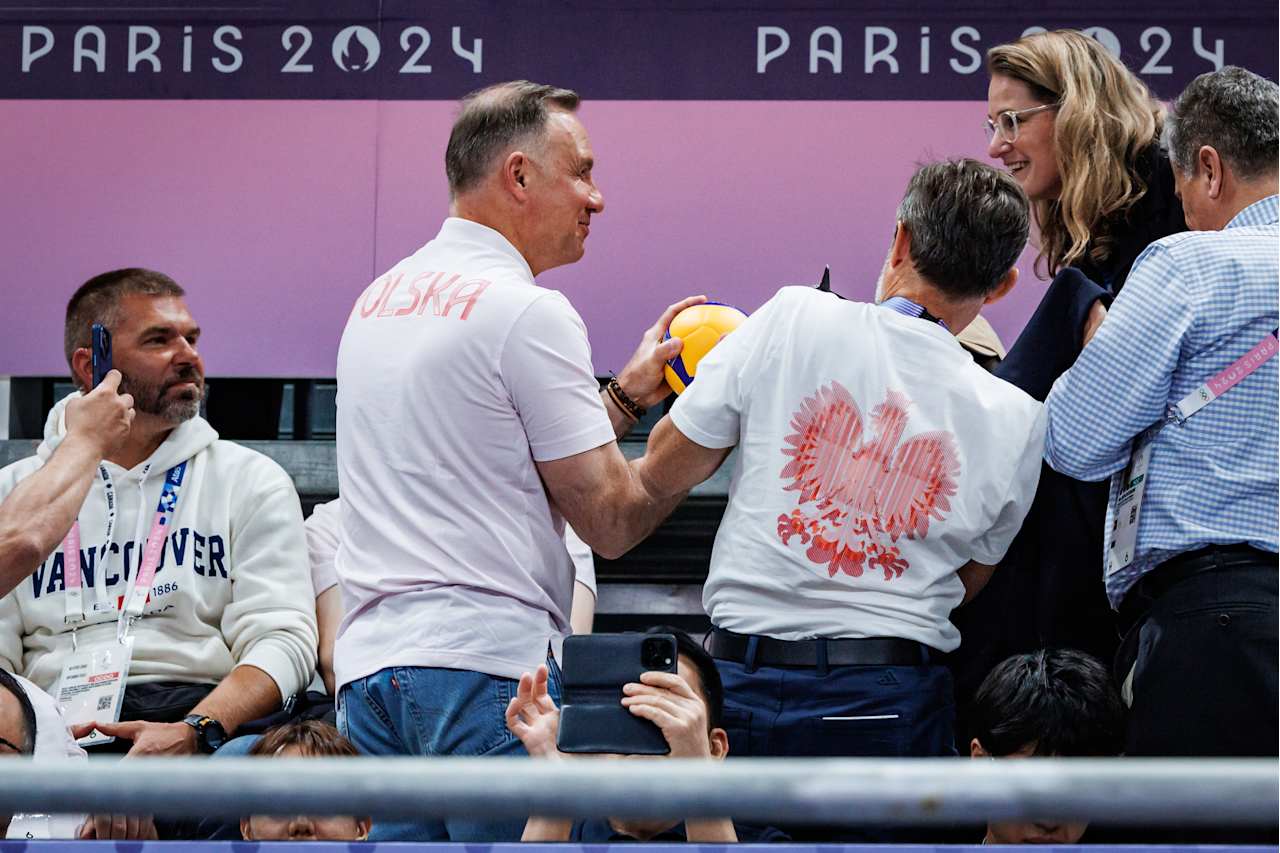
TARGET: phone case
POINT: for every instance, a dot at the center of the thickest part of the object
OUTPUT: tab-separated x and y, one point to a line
101	352
592	718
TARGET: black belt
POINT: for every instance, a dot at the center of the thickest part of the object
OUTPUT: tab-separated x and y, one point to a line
870	651
1170	573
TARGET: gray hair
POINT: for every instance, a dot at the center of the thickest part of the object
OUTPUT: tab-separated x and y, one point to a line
494	119
1232	110
968	224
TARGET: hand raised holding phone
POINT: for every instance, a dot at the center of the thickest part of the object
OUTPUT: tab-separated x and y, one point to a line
103	417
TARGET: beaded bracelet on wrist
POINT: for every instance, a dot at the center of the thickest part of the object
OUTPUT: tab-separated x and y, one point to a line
630	407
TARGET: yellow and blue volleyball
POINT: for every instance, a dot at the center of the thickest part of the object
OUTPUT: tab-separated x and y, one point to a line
700	327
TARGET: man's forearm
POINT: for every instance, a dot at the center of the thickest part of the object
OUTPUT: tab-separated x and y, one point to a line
631	513
40	510
247	693
974	576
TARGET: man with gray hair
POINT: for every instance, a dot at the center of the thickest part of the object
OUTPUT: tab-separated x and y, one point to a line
470	428
1175	400
880	476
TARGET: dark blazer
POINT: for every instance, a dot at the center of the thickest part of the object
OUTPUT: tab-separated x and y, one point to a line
1048	591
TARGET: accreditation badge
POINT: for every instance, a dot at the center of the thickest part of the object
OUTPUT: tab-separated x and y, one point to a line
1128	510
91	686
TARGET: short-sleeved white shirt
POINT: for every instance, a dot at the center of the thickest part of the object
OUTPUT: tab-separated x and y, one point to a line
455	373
324	532
875	459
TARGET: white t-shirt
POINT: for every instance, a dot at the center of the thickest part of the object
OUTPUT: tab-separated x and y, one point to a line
455	373
875	460
324	531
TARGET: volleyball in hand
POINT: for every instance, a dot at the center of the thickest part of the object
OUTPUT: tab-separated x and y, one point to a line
700	327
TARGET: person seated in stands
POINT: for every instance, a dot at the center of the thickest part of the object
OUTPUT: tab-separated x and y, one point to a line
32	726
686	706
304	739
215	597
1058	702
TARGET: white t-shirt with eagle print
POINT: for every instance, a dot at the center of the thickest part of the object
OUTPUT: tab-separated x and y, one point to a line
875	459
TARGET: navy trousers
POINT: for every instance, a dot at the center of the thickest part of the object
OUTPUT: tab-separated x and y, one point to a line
847	711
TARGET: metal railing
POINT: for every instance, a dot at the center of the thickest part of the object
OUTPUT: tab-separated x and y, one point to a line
851	791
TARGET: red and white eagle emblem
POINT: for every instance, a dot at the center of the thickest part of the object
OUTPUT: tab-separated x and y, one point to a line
861	490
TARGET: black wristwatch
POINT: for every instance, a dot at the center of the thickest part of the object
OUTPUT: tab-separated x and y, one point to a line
209	732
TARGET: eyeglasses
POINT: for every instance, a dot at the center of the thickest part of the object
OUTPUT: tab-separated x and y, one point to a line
1007	122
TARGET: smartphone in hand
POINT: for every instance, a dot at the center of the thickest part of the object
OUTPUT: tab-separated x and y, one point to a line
596	666
101	349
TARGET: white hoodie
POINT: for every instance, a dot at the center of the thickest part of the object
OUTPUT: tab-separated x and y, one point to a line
232	586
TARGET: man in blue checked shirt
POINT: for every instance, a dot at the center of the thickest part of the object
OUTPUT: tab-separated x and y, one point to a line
1191	564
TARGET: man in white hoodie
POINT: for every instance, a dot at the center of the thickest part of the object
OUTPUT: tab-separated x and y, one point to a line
190	546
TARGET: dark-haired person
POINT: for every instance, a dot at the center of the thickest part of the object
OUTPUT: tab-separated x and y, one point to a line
881	475
686	706
1175	401
304	739
470	429
219	613
1047	703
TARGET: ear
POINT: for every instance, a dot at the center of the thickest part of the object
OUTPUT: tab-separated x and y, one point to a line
82	368
516	172
246	830
1002	289
719	743
976	750
1208	159
363	825
900	252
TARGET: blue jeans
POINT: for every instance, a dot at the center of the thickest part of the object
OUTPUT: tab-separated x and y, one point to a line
435	712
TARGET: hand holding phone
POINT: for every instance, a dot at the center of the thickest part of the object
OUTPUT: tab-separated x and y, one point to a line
666	700
103	417
597	668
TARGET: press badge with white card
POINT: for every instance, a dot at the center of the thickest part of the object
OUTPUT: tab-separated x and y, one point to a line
91	686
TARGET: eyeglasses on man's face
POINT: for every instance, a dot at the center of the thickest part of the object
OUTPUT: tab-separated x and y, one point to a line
1006	123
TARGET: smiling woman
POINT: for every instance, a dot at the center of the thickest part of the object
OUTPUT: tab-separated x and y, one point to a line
1080	132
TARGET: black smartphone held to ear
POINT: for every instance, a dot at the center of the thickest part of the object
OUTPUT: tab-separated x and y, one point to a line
596	666
101	349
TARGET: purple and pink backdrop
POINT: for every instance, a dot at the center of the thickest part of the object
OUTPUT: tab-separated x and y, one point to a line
275	200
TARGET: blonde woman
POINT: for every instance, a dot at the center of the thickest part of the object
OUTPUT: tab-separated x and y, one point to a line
1080	134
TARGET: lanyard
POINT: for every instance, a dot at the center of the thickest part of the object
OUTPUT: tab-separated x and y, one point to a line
1227	379
132	608
141	589
903	305
74	600
1122	549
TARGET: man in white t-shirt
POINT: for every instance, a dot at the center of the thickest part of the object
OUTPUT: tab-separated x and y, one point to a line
324	533
470	427
880	478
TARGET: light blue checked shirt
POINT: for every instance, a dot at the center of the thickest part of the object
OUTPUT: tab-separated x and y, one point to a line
1194	303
